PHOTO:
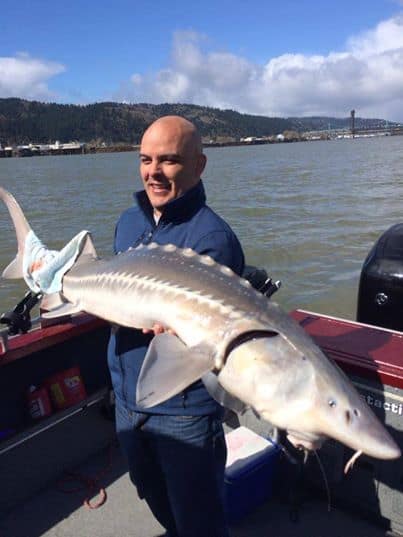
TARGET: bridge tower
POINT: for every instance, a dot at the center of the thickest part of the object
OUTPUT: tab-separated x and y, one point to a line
352	122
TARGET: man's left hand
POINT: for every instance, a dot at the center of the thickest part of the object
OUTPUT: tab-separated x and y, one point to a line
158	329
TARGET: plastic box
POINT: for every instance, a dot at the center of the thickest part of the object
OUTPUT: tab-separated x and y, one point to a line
249	473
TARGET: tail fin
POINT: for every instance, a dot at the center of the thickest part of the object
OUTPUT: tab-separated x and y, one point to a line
22	228
41	268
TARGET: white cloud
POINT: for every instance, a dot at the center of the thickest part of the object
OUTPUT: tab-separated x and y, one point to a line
27	77
367	76
386	37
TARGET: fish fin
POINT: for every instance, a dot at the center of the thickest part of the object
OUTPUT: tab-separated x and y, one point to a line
88	251
169	367
22	229
52	301
218	393
66	308
14	270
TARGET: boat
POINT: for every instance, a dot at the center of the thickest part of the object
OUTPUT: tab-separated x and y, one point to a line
57	467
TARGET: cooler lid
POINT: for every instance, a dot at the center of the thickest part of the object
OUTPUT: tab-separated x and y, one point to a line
246	450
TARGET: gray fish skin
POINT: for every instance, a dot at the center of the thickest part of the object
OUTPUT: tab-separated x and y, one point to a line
280	373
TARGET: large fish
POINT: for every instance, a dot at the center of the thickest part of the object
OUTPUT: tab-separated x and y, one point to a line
245	348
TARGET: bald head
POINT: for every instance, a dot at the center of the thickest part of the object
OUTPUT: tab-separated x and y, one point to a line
171	159
178	128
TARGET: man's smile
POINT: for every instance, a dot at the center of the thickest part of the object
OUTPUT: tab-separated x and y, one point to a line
159	187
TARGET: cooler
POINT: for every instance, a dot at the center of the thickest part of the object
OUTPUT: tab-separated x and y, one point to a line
372	357
251	463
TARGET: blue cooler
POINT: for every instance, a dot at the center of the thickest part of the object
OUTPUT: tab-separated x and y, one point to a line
249	472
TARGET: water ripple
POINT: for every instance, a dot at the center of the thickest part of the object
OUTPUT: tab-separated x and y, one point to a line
308	212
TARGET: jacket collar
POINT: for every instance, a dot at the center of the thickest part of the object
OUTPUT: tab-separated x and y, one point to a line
177	210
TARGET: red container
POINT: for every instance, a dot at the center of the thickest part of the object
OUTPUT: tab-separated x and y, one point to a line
66	388
38	403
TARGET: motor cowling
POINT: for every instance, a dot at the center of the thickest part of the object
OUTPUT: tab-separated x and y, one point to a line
380	294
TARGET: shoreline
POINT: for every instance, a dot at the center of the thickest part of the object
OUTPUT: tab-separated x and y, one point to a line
77	148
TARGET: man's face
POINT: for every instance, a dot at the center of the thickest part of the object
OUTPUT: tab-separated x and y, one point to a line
169	164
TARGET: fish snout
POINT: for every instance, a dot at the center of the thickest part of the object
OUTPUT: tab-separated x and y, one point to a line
348	413
353	423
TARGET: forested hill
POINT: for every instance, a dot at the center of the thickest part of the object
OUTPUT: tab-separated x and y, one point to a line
24	121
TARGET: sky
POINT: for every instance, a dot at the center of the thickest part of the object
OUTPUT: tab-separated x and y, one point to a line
274	58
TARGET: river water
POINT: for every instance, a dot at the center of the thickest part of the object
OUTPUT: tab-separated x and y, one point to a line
308	212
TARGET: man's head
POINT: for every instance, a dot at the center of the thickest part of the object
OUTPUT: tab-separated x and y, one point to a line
171	160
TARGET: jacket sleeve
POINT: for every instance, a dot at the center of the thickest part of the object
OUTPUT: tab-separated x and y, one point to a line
224	248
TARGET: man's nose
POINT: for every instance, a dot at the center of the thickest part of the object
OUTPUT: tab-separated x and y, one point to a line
154	167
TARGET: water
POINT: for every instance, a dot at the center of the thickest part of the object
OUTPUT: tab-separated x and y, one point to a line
308	212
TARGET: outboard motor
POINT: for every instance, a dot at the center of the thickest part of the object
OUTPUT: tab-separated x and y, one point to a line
380	295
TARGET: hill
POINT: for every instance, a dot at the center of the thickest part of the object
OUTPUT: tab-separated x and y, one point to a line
324	123
22	122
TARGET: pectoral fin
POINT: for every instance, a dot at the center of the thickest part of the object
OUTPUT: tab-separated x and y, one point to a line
169	367
218	393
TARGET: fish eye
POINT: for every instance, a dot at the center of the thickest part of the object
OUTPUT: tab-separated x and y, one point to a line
332	403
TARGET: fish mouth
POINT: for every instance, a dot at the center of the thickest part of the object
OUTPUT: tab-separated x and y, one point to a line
305	440
245	337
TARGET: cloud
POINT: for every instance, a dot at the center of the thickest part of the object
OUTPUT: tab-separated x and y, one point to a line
386	37
193	76
367	76
27	77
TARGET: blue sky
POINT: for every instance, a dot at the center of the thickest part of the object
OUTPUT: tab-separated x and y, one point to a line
294	57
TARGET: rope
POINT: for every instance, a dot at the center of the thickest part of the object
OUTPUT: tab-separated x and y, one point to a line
91	484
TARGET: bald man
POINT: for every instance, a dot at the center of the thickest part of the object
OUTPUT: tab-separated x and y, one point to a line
176	450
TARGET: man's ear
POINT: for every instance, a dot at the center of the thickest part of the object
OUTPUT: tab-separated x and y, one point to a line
201	164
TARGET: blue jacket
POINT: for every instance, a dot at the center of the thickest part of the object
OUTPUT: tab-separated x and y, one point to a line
186	222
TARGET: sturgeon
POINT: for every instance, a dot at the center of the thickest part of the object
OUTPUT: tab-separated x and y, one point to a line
247	350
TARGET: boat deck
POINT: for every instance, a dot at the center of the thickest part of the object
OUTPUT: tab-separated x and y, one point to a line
29	459
56	513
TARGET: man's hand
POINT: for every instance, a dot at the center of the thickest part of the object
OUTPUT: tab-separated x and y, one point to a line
158	329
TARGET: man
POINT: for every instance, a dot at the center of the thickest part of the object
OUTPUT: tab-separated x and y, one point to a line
176	450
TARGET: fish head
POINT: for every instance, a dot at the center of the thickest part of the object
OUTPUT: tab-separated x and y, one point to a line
294	386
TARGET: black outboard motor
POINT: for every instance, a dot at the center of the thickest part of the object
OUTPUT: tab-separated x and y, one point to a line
380	295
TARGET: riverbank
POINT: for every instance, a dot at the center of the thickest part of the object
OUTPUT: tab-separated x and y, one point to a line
77	148
71	148
74	148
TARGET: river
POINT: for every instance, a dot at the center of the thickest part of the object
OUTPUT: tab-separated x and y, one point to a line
308	212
